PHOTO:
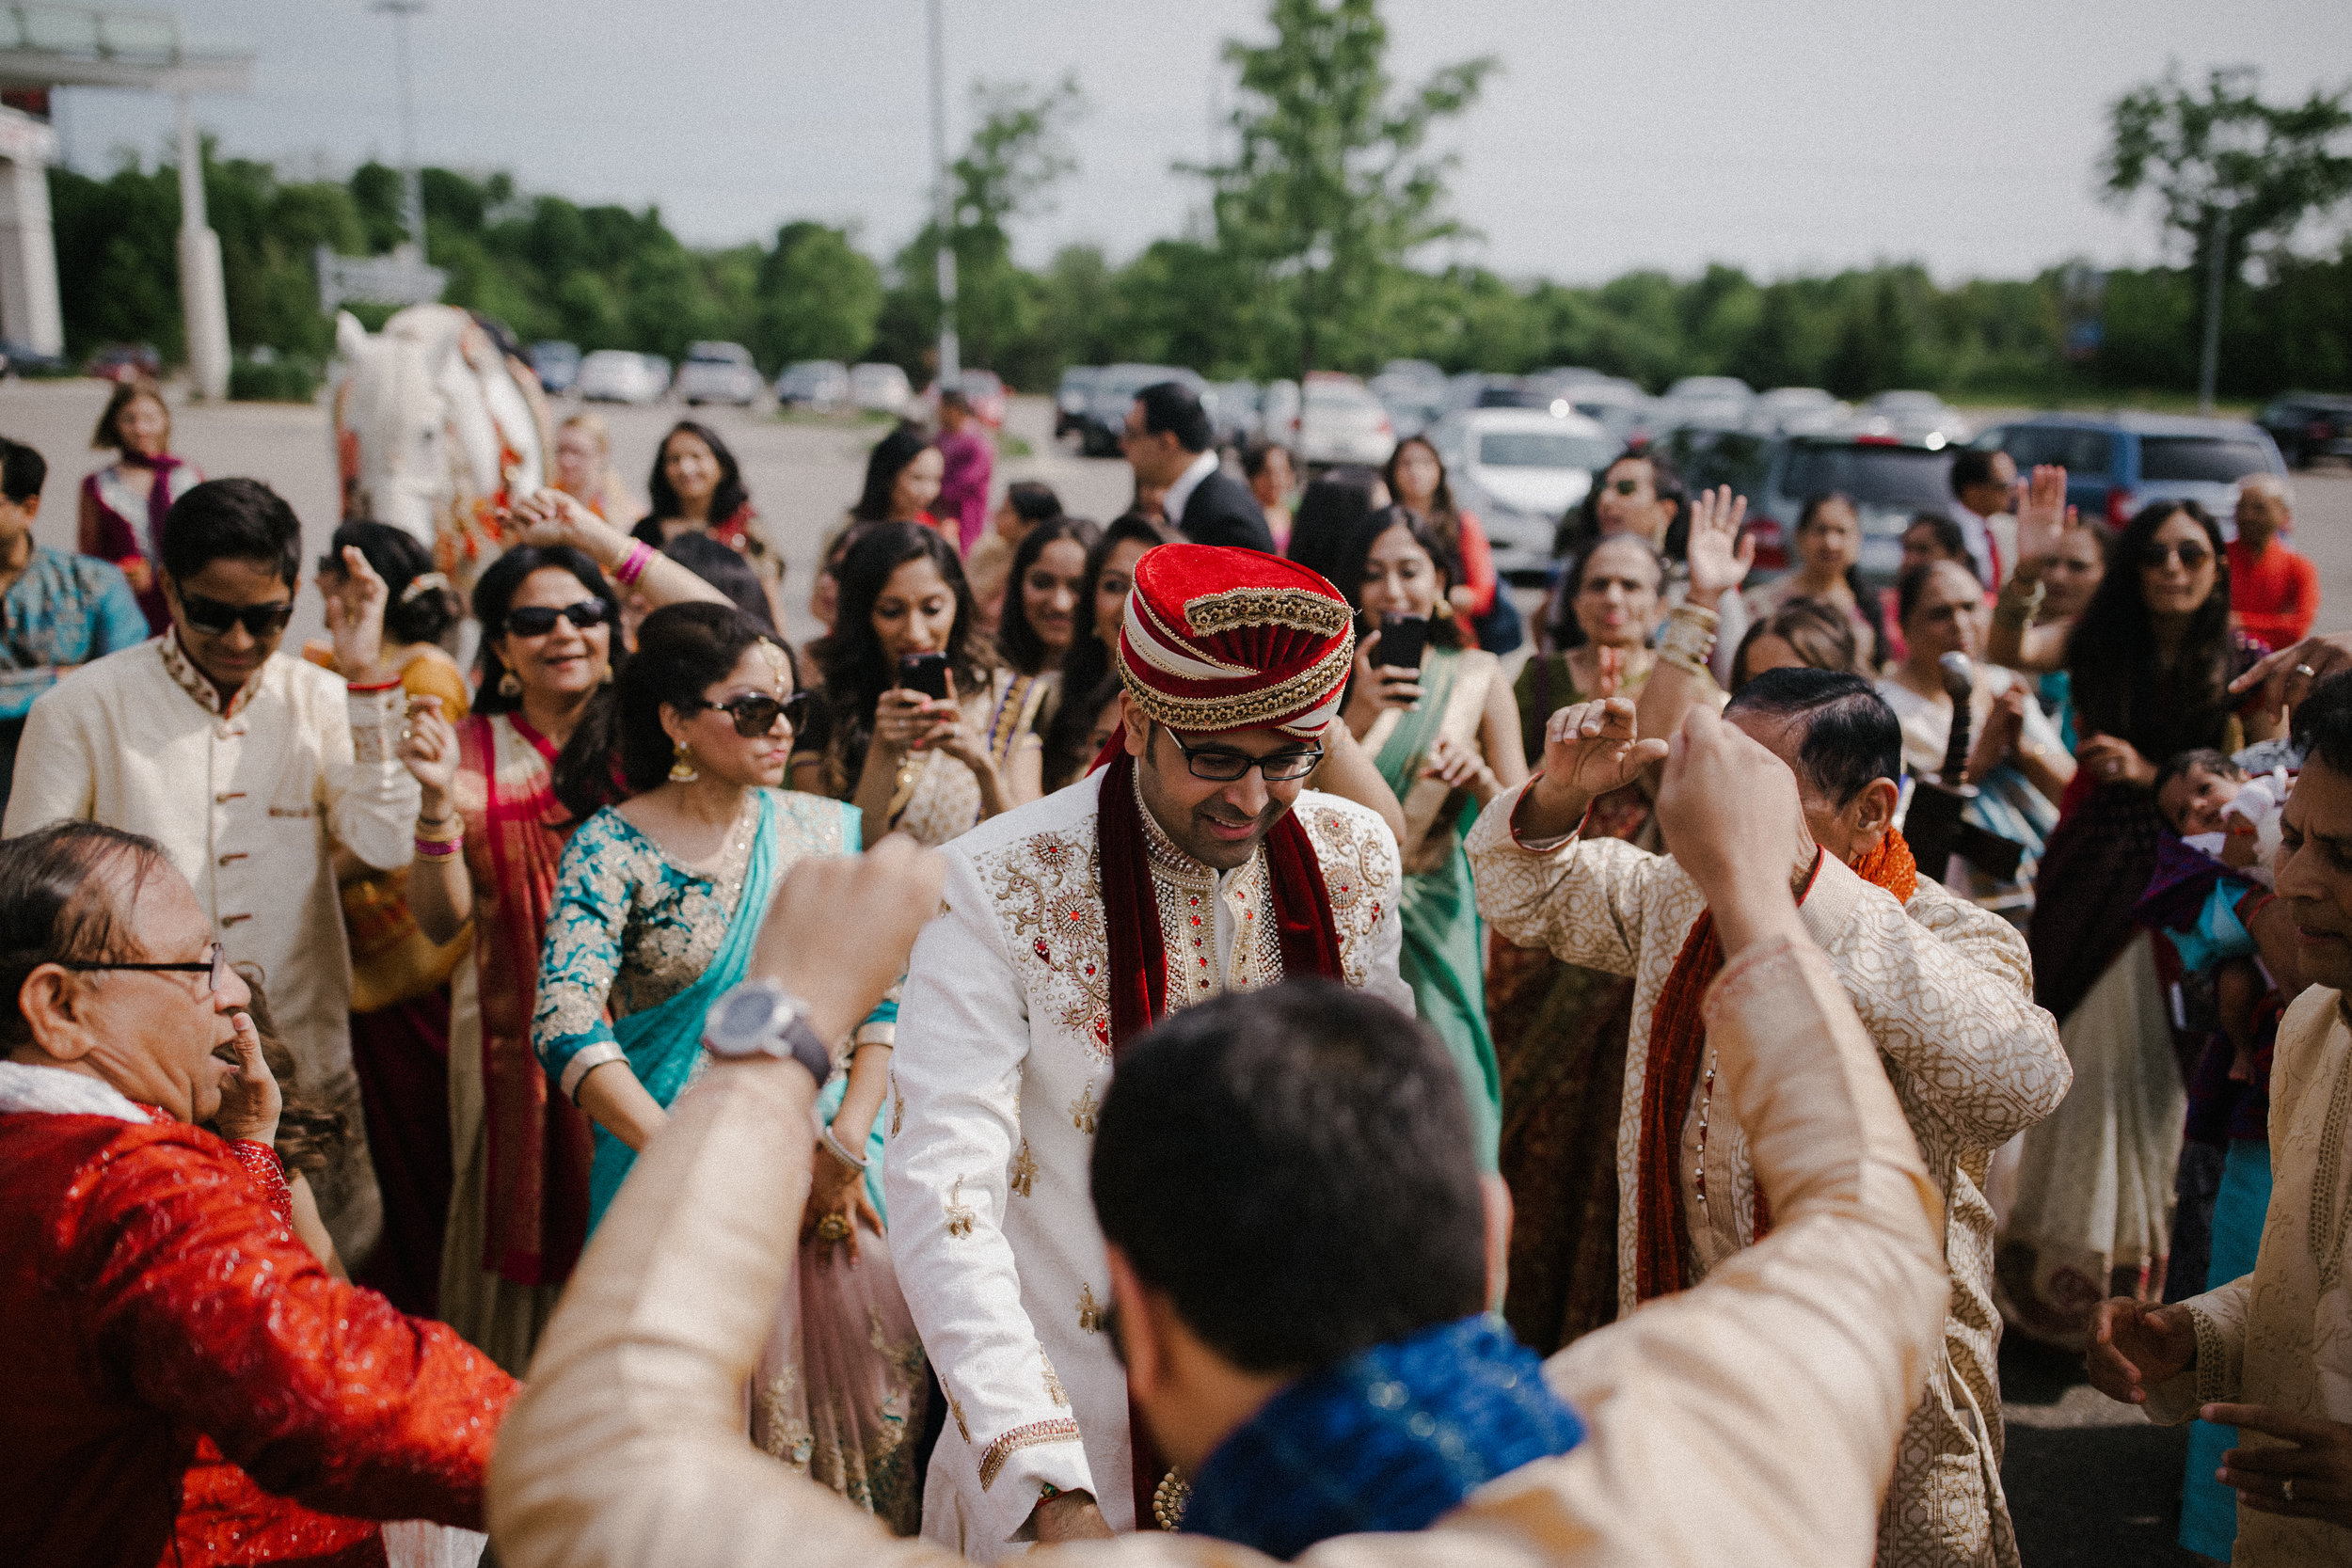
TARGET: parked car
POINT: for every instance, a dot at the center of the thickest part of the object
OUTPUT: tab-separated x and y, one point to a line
1920	417
1412	369
1619	406
619	375
1414	401
23	358
557	365
719	372
1796	411
2309	425
1704	403
881	388
1113	393
1069	397
124	362
1521	470
817	384
1889	481
983	390
1234	412
2118	463
1337	419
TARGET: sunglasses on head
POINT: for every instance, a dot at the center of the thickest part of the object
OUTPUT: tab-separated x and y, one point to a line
755	715
537	620
214	617
2153	555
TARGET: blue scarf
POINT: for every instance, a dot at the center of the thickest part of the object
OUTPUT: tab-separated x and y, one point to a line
1390	1439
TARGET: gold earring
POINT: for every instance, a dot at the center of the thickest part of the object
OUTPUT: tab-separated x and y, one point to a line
509	687
682	765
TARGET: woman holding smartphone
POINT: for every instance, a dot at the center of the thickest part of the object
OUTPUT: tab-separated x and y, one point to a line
1444	733
920	727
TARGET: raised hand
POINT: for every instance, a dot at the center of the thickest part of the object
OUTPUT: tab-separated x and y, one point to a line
2003	727
2135	1345
428	746
1589	749
354	617
2042	514
549	517
1377	686
1718	553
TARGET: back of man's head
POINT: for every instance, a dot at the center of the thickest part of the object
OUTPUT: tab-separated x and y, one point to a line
232	519
59	905
23	472
1849	736
1972	467
1294	1168
1174	408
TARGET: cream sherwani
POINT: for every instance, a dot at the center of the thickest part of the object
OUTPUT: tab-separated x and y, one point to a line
1750	1421
1004	1056
1946	989
249	804
2283	1335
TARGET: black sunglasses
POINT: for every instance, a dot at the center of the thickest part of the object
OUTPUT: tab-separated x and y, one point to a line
755	715
1222	764
537	620
2154	554
214	968
214	617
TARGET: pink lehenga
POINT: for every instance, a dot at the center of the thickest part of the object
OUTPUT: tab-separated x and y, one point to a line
844	1330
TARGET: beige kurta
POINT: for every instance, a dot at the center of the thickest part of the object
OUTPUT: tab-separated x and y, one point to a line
1748	1421
1946	992
250	804
2283	1335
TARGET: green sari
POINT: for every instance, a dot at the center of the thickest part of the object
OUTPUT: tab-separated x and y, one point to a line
1441	960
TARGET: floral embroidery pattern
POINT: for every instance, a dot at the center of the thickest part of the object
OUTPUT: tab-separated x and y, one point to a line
1086	1111
961	1214
1022	1176
1053	1383
1089	1310
1045	890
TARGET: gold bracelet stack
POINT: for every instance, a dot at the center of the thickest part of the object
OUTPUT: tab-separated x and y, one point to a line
2019	603
443	839
1689	638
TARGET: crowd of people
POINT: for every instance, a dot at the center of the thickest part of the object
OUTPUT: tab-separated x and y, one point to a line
1293	1047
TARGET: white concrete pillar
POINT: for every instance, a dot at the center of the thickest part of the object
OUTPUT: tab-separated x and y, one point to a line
204	299
29	312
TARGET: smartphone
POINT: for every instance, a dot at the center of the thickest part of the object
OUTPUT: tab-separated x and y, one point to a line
1403	639
926	673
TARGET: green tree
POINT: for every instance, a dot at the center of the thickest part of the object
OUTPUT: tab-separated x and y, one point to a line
1330	183
816	297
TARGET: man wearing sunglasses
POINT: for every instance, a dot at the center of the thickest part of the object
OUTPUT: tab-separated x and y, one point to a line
150	1285
1193	864
255	770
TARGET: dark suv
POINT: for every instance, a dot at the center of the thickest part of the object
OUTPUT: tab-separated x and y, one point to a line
1890	482
2309	425
2118	463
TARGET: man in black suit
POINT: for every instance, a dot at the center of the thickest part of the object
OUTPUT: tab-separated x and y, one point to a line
1170	443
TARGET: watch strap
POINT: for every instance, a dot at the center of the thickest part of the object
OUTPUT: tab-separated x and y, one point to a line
800	1042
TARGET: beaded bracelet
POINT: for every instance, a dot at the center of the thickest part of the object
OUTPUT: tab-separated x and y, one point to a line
633	564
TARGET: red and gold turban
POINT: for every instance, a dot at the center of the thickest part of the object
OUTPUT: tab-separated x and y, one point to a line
1222	638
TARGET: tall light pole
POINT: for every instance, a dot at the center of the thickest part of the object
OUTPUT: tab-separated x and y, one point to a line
943	203
411	182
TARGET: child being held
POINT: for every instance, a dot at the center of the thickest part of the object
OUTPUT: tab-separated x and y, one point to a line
2209	881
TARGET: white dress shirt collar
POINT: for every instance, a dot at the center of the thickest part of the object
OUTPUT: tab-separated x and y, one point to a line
1179	493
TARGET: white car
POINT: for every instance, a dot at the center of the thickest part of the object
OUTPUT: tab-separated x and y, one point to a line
1920	417
1704	403
618	375
1796	411
1521	470
719	372
1335	419
881	388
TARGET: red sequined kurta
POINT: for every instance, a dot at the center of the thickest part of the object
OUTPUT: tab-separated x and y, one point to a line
153	1298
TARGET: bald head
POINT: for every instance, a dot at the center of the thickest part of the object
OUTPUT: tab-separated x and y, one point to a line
2264	508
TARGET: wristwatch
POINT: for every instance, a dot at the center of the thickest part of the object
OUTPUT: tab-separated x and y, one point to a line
759	1018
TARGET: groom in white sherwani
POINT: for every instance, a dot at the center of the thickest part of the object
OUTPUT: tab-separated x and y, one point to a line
1194	863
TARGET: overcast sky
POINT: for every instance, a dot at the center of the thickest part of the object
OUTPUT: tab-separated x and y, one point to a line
1798	137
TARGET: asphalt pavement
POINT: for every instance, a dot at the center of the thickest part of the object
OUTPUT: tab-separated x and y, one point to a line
2089	1482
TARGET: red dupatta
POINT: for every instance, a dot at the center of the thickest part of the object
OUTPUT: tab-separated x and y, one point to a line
536	1143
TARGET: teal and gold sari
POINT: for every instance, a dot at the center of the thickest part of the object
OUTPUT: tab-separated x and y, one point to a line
1442	959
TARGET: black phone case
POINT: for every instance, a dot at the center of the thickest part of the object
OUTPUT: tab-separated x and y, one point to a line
1401	636
926	673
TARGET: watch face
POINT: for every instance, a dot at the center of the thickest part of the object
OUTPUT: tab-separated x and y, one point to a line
743	1017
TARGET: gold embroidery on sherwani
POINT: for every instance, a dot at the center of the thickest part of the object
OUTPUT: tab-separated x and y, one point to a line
1061	1429
1085	1111
955	1407
1024	1174
897	1109
1053	1383
1089	1310
959	1213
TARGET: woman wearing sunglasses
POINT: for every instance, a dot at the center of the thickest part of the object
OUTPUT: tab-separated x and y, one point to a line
657	908
501	793
2151	659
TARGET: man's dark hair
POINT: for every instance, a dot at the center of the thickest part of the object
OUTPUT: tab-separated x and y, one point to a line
2322	724
1174	408
1294	1168
1852	738
2180	764
23	472
56	907
1032	500
232	519
1972	467
1948	537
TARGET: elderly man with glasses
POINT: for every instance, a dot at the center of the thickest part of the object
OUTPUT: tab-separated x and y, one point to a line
161	1311
257	772
1194	863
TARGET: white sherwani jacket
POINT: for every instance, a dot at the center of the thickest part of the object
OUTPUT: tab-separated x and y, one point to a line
1945	990
1004	1056
250	804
